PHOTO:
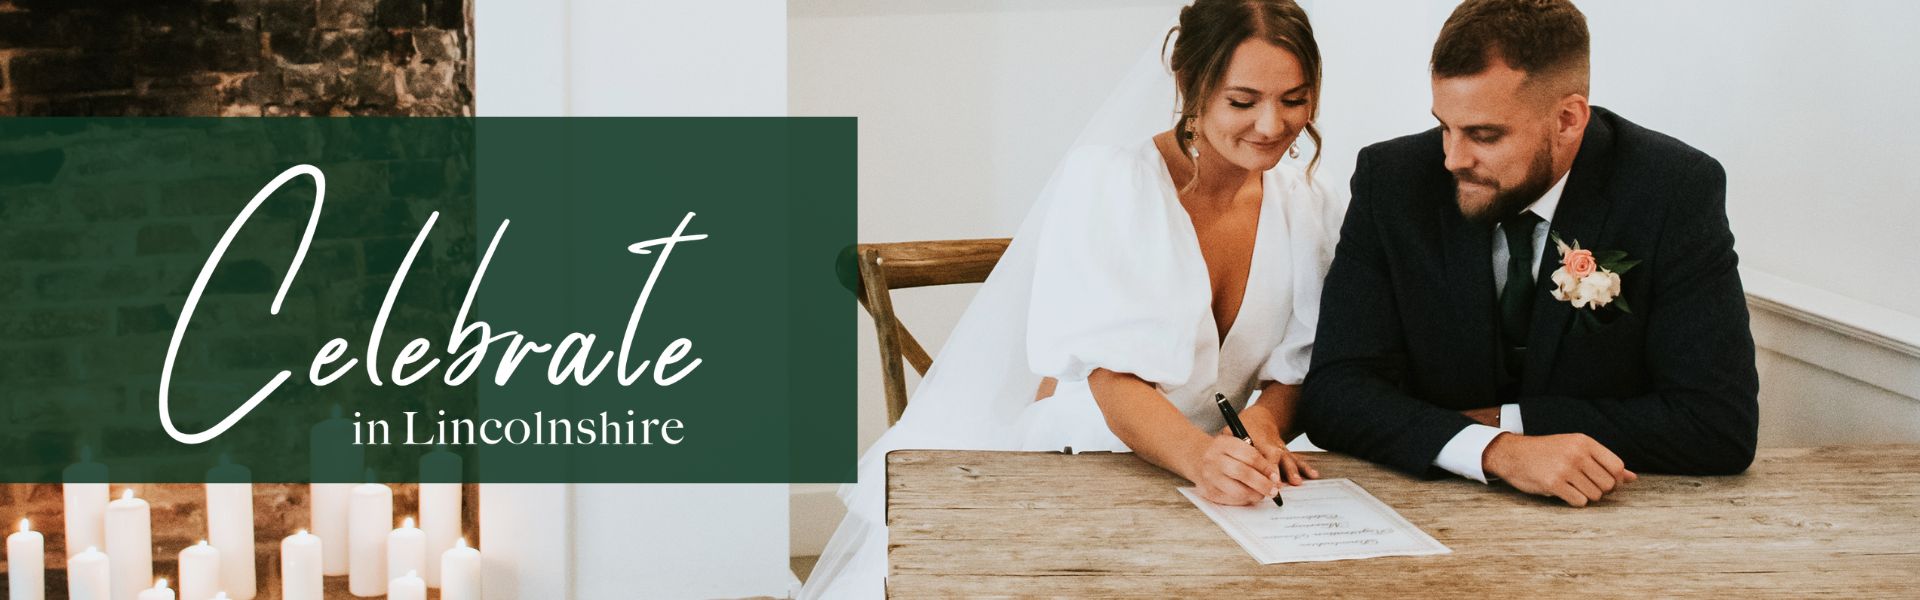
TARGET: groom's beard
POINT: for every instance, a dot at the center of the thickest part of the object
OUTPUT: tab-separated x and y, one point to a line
1507	201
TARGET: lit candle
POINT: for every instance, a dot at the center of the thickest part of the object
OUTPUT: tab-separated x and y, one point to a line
460	573
300	567
159	591
439	507
130	544
89	576
200	568
335	460
407	587
230	528
85	498
26	564
370	518
406	550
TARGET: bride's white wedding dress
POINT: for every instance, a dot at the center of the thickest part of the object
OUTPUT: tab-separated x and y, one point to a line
1107	273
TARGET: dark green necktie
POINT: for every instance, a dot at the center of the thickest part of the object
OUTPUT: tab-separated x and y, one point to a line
1516	299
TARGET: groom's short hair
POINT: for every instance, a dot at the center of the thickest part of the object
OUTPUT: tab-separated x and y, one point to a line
1546	39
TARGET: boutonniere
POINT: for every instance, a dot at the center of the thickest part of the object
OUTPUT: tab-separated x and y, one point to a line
1589	280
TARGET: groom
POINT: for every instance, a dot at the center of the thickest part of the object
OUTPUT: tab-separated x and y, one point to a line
1456	331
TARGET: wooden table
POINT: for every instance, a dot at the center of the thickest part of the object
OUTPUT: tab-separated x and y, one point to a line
1840	520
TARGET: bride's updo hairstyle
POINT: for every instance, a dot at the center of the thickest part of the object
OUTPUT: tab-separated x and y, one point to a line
1204	41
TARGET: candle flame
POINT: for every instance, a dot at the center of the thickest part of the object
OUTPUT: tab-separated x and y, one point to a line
25	526
412	573
408	523
302	532
128	494
203	542
463	541
160	584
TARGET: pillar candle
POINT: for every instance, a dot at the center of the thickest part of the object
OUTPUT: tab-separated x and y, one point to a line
460	572
130	545
89	576
85	498
330	525
406	550
439	507
335	462
26	564
407	587
159	591
200	568
370	518
300	567
230	528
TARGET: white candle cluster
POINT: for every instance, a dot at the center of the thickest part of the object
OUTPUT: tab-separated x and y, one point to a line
378	558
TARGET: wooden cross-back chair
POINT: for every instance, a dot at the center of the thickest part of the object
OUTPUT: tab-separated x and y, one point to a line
882	268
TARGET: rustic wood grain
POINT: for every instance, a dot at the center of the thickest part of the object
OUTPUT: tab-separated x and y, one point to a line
1838	520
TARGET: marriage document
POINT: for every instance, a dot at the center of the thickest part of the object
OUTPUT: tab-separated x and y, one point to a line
1326	519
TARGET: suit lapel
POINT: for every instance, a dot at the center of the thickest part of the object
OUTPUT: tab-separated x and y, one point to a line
1582	216
1468	257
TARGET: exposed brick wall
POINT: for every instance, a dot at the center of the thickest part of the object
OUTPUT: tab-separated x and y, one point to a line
235	57
88	266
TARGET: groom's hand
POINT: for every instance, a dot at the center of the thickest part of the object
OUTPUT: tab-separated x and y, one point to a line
1571	466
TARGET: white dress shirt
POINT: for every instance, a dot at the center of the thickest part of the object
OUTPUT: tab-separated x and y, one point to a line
1462	455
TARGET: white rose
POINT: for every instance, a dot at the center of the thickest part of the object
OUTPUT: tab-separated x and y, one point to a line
1563	285
1597	289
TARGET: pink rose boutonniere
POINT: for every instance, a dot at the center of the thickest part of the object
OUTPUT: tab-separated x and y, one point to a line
1588	280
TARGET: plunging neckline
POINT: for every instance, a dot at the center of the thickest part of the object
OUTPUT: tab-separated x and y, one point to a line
1193	236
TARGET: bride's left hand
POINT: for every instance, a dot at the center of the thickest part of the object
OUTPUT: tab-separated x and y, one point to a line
1264	429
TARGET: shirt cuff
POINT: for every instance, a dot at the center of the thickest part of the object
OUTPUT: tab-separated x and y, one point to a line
1510	419
1463	453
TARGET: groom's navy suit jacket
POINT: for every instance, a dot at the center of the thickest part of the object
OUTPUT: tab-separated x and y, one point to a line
1408	332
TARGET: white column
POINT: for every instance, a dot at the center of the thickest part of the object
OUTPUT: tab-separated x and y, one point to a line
618	58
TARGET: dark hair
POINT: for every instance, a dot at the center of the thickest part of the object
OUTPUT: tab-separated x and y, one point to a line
1209	32
1538	37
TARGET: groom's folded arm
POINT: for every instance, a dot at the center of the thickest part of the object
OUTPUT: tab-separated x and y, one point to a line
1353	401
1700	415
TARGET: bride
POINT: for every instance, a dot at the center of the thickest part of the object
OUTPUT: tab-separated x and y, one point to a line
1156	271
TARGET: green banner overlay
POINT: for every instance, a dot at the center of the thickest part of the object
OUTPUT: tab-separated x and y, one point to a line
523	300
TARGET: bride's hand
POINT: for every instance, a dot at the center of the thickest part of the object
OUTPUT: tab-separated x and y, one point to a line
1229	471
1265	429
1293	468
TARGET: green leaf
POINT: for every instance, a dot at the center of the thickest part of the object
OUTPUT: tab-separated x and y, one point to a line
1622	303
1609	256
1620	267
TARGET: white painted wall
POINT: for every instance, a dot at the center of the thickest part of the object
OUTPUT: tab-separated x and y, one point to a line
620	58
966	105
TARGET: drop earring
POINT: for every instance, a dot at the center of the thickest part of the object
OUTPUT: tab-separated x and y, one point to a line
1293	151
1193	139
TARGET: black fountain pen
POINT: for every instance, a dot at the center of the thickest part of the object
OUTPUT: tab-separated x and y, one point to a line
1239	430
